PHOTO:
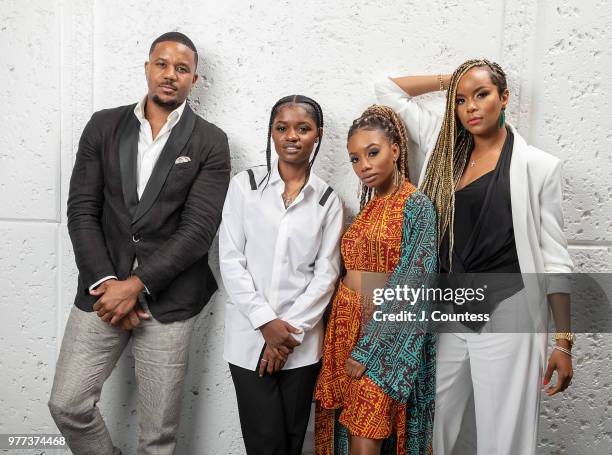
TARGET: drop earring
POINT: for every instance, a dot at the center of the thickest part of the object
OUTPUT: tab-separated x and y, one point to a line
459	127
502	117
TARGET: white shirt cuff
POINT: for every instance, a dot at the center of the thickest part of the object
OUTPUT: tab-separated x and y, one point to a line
558	283
297	336
261	316
99	282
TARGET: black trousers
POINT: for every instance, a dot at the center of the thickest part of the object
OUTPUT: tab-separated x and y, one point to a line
274	409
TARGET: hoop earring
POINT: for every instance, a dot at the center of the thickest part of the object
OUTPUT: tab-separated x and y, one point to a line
502	117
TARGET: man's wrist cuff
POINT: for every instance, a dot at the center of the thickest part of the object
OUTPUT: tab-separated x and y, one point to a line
99	282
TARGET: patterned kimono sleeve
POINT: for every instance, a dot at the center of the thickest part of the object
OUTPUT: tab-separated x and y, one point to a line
394	352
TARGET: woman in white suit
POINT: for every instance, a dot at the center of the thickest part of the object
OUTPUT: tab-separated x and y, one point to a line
499	211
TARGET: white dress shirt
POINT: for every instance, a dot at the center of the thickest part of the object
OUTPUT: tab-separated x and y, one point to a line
148	152
277	263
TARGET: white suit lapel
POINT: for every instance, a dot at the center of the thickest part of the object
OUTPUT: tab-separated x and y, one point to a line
519	198
525	237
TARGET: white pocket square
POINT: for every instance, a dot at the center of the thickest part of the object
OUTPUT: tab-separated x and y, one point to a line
182	159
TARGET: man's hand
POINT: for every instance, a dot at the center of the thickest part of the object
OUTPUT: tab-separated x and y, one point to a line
133	318
353	368
271	361
117	298
277	333
562	363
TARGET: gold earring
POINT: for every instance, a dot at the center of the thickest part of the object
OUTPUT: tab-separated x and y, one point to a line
399	178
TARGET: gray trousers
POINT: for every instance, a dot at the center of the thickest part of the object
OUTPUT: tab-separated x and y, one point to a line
90	349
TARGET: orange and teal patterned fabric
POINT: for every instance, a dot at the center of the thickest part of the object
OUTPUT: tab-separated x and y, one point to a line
394	399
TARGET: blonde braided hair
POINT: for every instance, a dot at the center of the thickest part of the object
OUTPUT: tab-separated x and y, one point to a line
452	150
386	120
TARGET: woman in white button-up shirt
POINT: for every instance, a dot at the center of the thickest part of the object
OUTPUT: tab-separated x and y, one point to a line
279	259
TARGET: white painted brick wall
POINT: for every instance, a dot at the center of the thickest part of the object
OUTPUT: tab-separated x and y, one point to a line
64	59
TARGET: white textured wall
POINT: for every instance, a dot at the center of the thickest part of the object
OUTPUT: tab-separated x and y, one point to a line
64	59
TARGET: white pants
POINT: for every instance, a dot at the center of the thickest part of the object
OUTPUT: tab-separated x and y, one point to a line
504	372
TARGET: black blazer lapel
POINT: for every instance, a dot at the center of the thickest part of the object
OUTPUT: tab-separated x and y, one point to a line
128	155
176	142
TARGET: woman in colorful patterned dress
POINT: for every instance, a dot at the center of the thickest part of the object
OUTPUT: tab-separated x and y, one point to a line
375	392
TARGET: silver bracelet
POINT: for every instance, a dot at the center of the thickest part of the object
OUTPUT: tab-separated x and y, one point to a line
562	349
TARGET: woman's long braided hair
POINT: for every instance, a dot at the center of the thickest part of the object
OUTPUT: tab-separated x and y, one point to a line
386	120
314	110
452	150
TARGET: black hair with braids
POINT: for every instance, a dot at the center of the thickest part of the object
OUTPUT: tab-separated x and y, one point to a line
314	110
386	120
452	149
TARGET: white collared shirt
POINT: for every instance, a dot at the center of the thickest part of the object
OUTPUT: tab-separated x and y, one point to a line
277	263
149	150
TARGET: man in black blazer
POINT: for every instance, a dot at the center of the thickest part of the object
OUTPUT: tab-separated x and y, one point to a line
145	202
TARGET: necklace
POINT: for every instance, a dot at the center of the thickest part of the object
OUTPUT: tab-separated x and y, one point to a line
288	198
287	201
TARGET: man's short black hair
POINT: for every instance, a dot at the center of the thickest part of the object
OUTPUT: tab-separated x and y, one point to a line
177	37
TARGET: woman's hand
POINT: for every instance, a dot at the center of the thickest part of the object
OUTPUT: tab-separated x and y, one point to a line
271	361
353	368
562	363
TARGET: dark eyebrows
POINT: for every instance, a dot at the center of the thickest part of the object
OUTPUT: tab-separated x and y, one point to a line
480	87
180	63
366	148
302	123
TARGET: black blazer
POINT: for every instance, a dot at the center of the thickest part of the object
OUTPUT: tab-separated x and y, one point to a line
169	230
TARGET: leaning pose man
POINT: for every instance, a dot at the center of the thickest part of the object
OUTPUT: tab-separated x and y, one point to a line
145	201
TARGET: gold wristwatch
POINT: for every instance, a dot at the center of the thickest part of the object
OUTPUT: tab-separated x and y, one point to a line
569	336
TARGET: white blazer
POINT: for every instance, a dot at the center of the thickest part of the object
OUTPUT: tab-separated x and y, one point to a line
535	192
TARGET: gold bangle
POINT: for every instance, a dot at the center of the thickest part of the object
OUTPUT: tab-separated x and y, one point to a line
566	351
441	83
569	336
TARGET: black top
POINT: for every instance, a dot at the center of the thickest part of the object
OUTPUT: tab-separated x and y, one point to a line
484	233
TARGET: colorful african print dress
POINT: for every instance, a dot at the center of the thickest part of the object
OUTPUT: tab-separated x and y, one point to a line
394	399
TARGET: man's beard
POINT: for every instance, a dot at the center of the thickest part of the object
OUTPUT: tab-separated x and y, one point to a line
165	104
